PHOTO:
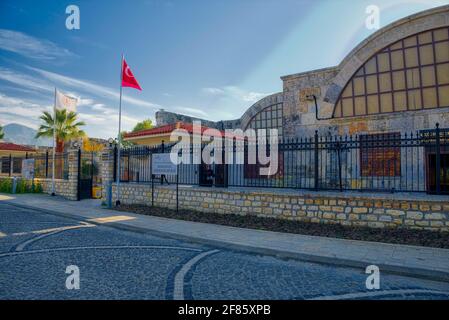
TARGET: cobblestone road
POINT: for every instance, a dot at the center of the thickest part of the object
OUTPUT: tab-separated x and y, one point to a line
36	248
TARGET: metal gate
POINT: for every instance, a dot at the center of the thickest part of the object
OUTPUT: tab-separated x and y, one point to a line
88	170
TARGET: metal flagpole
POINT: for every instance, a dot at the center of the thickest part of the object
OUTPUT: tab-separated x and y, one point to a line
54	150
119	138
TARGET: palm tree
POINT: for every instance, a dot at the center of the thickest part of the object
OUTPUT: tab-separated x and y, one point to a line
67	127
2	134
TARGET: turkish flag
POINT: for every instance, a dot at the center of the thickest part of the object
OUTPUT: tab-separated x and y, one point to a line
128	79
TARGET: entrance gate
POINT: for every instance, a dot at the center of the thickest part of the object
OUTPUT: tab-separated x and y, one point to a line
87	174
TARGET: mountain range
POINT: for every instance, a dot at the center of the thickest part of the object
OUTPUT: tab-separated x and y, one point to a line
20	134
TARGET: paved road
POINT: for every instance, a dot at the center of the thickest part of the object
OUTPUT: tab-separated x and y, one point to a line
36	248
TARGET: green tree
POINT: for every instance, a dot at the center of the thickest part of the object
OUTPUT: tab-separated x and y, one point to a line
145	124
2	134
125	144
67	127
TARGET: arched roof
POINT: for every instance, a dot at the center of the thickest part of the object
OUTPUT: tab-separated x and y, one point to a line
408	26
259	106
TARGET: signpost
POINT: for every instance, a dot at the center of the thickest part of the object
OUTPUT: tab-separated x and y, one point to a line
28	170
161	164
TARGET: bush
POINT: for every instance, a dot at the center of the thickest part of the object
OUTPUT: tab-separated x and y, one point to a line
22	186
38	188
6	185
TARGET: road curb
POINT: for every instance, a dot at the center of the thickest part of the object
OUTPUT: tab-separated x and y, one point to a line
394	269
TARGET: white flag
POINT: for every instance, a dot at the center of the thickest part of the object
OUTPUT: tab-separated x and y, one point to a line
65	102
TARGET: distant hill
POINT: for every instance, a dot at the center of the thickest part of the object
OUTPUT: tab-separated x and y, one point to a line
21	134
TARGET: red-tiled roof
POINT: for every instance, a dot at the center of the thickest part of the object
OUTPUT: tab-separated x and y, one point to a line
15	147
167	129
164	129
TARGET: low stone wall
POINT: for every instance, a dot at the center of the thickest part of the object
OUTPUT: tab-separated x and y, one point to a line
65	188
344	209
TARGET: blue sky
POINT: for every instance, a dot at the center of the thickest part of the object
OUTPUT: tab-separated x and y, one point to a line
206	58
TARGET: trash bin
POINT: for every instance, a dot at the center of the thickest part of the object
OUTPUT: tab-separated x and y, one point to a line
96	192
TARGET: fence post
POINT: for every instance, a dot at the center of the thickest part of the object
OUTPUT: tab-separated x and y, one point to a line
162	151
437	160
129	150
115	164
10	165
108	170
316	159
79	176
46	164
339	165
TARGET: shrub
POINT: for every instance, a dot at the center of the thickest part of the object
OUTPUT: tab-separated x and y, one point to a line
22	186
38	188
6	185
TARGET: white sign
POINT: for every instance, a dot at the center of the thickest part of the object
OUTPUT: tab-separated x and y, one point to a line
162	164
28	169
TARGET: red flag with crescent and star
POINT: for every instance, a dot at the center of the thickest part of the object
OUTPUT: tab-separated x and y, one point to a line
128	79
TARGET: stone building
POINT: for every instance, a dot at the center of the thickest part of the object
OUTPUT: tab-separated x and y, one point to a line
396	79
393	85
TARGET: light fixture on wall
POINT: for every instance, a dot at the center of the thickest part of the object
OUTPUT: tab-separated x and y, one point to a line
112	141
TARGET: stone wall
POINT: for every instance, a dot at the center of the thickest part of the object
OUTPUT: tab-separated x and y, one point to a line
64	188
346	209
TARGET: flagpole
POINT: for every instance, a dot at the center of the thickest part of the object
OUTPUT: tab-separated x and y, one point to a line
54	148
119	137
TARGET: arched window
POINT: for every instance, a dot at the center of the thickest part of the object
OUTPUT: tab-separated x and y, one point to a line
269	118
411	74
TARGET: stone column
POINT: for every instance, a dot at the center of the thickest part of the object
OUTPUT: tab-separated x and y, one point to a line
107	170
72	192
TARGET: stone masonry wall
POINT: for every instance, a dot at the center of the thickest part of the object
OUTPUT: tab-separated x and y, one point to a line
344	209
64	188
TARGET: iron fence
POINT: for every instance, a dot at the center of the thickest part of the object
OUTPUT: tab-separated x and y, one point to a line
12	165
385	162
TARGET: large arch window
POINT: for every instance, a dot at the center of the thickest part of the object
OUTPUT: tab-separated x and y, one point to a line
411	74
269	118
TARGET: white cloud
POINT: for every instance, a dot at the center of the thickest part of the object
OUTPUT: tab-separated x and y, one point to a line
102	108
101	121
92	88
31	47
21	111
235	92
85	102
24	80
194	112
213	91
